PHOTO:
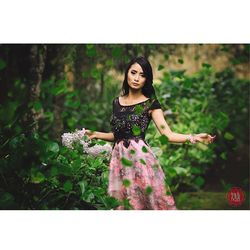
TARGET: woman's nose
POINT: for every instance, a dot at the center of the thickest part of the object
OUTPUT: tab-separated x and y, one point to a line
137	77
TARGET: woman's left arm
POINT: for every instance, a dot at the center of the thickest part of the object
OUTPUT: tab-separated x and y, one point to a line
164	129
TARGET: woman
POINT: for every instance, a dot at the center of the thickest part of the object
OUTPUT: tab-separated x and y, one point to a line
135	177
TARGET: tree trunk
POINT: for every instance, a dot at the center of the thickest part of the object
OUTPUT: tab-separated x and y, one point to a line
58	71
37	62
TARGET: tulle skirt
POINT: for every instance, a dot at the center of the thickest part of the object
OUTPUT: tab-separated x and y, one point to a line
137	180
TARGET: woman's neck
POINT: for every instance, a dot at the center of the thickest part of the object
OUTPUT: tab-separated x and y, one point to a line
134	95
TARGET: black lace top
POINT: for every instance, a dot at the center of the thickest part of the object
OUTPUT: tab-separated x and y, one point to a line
131	122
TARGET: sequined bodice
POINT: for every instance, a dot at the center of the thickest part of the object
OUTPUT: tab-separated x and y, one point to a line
131	122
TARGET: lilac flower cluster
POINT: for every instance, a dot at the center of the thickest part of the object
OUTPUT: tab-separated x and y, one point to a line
78	136
69	138
99	149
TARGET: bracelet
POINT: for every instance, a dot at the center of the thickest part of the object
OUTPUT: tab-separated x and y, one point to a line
191	139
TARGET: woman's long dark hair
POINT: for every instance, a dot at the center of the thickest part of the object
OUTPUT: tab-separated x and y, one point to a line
148	89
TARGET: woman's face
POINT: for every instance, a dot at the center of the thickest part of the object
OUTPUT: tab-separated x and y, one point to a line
136	77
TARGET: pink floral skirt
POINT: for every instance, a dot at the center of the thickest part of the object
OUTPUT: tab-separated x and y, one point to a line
137	180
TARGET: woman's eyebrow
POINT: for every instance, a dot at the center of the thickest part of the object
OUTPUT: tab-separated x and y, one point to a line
136	71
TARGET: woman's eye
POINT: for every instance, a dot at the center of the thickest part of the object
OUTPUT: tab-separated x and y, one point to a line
133	73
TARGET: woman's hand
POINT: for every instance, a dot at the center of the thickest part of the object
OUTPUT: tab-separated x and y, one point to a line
204	138
91	134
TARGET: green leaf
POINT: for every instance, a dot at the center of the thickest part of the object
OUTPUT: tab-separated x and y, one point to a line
148	190
126	204
58	90
76	164
37	105
111	202
228	136
171	171
142	161
72	121
90	197
188	84
163	139
202	146
138	109
144	149
223	155
72	104
49	116
132	151
91	51
82	186
168	192
117	52
178	73
180	170
126	182
95	73
100	142
126	162
109	62
53	147
195	170
160	67
166	56
206	65
90	46
53	171
180	61
157	151
67	186
199	181
64	170
95	163
136	130
37	177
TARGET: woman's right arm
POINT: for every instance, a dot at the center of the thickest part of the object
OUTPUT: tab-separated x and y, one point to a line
100	135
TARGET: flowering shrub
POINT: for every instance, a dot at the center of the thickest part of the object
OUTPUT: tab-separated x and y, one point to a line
68	140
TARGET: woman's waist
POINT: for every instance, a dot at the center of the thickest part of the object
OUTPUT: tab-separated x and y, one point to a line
128	136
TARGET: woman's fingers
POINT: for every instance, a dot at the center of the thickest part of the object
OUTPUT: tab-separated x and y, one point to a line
90	134
211	138
204	137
